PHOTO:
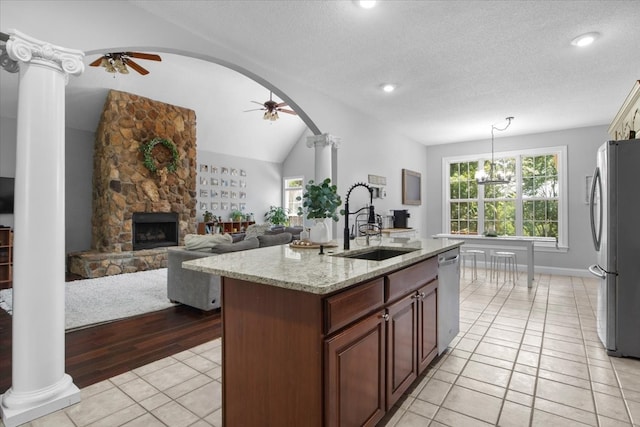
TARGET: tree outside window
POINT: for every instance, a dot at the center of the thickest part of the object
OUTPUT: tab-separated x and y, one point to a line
530	205
293	187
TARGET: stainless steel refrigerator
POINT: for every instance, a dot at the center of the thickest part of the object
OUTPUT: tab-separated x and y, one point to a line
615	226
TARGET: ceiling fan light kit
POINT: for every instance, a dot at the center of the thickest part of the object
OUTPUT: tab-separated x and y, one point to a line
494	177
117	62
271	109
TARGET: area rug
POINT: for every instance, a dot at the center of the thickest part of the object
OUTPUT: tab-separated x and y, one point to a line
105	299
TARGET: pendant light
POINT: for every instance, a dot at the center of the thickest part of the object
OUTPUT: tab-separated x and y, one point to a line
494	177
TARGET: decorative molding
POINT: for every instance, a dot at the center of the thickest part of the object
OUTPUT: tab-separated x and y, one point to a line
6	62
323	140
23	48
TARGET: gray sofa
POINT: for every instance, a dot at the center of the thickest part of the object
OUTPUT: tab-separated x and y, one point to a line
202	290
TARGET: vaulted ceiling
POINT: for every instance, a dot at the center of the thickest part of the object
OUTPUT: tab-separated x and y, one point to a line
459	66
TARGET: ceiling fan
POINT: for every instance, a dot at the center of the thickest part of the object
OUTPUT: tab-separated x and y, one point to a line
117	62
271	108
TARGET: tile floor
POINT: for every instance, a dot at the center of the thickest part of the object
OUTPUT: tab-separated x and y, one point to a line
524	357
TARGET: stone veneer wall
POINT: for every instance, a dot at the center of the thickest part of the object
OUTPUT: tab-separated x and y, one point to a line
122	184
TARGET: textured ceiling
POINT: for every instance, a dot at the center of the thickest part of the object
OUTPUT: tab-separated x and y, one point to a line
460	66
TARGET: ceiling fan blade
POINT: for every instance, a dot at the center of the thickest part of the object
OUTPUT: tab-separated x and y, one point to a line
280	110
259	103
97	62
282	104
137	67
255	109
149	56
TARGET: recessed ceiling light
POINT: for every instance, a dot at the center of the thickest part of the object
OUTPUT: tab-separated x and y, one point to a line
585	39
367	4
387	87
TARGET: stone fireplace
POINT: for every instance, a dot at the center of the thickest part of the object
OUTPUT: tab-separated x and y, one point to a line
127	195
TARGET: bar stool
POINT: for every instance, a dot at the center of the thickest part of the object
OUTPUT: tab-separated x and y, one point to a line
510	261
473	254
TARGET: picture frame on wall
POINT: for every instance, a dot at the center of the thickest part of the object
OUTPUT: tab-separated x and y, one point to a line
204	193
234	206
203	206
214	169
214	181
224	194
214	206
234	172
214	193
204	168
224	171
411	187
243	206
243	172
224	206
243	183
203	180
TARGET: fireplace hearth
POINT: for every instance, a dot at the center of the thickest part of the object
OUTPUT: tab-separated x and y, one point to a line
154	229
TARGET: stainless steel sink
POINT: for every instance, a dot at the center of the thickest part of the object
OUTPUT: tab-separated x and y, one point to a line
376	254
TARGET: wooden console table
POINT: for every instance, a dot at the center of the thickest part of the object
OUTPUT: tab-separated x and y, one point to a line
226	226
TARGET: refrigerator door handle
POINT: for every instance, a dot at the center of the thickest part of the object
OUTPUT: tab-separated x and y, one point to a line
597	271
597	234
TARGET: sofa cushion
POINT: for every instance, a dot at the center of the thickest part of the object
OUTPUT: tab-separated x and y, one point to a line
295	231
204	242
275	239
255	230
223	248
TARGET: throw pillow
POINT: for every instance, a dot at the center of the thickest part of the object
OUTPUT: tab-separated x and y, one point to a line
275	239
223	248
204	242
255	230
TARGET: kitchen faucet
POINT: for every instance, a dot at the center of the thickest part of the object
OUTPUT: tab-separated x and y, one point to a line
372	214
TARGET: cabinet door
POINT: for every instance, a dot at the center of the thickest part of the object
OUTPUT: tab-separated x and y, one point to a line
401	347
354	374
427	325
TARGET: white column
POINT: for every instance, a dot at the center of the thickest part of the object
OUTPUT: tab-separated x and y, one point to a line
39	382
323	145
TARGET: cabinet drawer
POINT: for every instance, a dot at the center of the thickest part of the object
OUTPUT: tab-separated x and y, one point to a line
347	306
410	278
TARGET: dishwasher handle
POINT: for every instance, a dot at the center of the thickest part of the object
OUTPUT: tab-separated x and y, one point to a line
447	261
597	271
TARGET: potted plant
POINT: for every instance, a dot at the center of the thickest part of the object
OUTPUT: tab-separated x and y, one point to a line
319	202
236	216
277	216
208	216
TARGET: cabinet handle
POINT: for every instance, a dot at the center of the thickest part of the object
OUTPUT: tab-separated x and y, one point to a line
422	295
385	317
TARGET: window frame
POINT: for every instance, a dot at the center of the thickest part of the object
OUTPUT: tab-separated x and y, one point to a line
286	190
561	243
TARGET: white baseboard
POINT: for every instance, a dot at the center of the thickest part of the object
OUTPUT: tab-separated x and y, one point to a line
543	269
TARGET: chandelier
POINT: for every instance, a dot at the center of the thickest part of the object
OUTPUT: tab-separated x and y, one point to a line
115	63
494	177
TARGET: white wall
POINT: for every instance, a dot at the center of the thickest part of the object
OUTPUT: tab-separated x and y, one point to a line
582	145
264	184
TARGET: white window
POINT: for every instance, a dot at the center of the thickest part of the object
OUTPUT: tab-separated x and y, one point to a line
293	188
533	204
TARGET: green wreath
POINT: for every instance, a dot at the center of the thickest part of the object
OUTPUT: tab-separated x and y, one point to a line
150	162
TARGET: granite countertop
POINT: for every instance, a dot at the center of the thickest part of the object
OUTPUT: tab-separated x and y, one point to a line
305	270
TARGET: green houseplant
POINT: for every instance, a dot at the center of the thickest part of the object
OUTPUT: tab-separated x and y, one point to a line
277	216
320	202
236	216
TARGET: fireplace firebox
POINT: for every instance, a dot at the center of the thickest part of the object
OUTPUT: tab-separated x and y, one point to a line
154	229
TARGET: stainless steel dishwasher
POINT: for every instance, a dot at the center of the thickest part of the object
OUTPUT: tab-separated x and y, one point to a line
448	297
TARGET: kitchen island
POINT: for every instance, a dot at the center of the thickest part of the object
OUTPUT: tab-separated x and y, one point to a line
324	340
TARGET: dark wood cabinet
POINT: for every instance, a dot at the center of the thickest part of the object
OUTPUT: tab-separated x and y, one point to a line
228	227
427	325
411	339
292	358
355	374
6	258
401	347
